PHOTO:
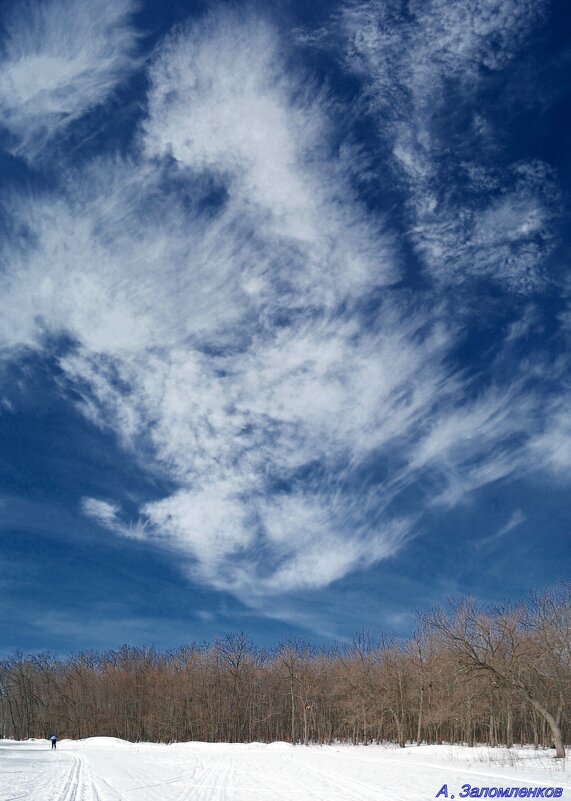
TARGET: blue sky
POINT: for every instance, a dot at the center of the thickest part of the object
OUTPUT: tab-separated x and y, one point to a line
285	315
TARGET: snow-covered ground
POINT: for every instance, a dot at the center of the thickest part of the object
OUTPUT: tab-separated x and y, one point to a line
105	769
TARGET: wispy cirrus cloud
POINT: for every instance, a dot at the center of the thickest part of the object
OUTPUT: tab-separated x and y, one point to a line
59	59
516	519
211	302
551	447
108	515
425	75
232	313
221	102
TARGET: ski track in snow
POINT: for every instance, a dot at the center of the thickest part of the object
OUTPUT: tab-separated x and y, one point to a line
106	769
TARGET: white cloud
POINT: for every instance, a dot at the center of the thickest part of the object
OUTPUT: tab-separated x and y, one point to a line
108	516
60	59
215	286
210	523
231	429
270	545
461	437
216	103
104	512
147	283
465	219
515	520
221	101
316	550
550	448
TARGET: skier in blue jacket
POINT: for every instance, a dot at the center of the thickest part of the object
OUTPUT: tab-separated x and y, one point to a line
53	738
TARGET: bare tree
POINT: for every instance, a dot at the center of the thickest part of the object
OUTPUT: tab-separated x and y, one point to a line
508	645
497	675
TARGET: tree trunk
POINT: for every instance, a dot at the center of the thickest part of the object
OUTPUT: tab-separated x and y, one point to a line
420	705
292	713
509	729
553	726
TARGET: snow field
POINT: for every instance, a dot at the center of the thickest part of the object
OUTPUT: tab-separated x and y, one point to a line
106	769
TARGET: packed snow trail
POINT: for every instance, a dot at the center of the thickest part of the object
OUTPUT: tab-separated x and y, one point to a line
58	777
106	769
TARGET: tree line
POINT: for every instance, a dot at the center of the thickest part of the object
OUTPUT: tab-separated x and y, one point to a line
497	674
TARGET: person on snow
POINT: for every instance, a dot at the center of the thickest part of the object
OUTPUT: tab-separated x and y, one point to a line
53	738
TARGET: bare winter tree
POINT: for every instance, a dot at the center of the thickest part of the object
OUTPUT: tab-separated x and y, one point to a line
519	649
497	675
